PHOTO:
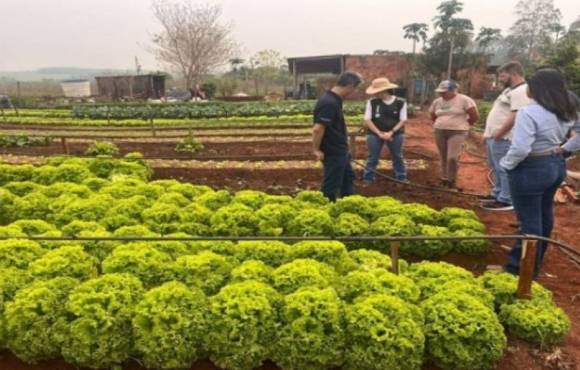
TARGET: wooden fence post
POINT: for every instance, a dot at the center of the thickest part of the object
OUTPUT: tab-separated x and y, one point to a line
64	145
395	246
527	264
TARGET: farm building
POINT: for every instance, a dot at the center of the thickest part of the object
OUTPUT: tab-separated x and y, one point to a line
150	86
76	88
395	66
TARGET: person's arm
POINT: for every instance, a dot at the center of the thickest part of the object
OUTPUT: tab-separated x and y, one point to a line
521	146
432	111
402	120
472	116
573	144
317	135
368	123
506	127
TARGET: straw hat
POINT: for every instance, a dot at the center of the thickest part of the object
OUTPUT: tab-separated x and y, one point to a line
380	84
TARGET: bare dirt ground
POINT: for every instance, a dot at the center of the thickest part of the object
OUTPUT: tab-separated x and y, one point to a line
561	275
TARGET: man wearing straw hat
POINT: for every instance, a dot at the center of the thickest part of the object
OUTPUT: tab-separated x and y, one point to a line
385	117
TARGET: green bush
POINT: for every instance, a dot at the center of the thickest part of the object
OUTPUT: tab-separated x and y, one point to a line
272	253
302	273
19	253
99	334
462	333
214	200
34	227
106	148
68	261
504	286
234	220
252	270
332	253
250	198
422	214
311	333
169	325
361	284
366	260
36	319
384	332
206	270
142	260
244	321
429	276
311	222
535	322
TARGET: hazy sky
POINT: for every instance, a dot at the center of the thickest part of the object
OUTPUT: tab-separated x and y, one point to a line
110	33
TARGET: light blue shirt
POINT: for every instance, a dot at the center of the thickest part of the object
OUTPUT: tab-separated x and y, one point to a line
536	130
573	145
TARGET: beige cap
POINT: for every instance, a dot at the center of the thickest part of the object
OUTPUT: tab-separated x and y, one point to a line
380	84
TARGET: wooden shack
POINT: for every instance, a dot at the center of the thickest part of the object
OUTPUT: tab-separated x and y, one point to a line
149	86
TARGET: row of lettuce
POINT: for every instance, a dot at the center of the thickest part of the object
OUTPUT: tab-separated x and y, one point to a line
311	305
105	196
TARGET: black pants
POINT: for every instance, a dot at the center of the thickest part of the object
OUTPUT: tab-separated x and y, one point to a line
338	176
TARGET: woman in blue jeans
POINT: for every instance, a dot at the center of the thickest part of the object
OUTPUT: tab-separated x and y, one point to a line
534	162
385	116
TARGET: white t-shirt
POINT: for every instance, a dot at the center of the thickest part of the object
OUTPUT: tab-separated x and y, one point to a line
391	100
510	100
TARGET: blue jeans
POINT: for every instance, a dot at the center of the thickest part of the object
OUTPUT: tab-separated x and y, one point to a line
338	176
496	150
533	184
375	146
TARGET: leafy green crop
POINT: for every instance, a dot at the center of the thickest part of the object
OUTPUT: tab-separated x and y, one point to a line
302	273
360	284
206	270
244	320
535	321
67	261
384	332
100	313
461	332
503	286
169	326
252	270
36	319
106	148
19	253
311	333
11	280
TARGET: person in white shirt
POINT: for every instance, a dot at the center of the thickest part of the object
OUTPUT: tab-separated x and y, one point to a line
385	117
498	132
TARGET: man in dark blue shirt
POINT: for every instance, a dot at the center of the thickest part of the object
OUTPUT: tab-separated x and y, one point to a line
330	138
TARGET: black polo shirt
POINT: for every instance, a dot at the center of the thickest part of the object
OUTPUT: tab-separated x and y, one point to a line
328	112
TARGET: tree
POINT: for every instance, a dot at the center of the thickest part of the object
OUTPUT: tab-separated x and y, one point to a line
486	37
235	63
532	32
416	32
452	35
268	67
566	56
192	40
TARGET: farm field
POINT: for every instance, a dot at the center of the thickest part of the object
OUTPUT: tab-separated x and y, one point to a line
278	164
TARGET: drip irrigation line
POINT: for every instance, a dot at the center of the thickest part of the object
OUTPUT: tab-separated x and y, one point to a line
417	186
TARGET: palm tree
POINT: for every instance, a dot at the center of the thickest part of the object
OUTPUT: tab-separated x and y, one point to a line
416	32
487	36
447	9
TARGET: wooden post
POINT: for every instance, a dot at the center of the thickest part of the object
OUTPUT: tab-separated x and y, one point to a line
395	246
64	145
527	264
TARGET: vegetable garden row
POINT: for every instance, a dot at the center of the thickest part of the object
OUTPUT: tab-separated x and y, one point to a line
308	305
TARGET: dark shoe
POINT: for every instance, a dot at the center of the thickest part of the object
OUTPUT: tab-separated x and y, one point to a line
487	198
498	206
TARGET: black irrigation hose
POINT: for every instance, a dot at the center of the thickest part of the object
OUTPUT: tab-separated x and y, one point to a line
418	186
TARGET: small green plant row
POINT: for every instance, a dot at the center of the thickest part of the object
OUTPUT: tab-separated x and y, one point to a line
204	110
311	305
105	148
116	193
256	121
11	141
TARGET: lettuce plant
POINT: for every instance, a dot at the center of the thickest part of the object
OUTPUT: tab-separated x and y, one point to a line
301	273
99	334
366	260
252	270
234	220
67	261
311	222
19	253
169	325
36	319
504	286
272	253
244	320
311	333
359	284
11	280
206	270
332	253
383	332
430	275
462	333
